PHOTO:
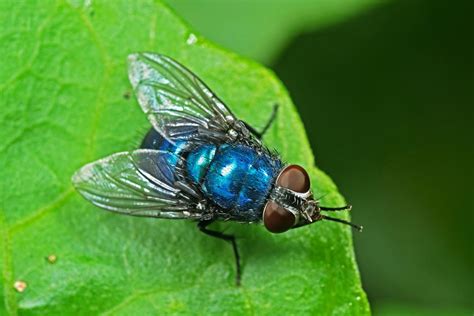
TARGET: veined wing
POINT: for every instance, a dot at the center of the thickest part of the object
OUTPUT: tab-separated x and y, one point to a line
178	104
138	183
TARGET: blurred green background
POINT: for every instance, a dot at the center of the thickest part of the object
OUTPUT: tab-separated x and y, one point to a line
385	89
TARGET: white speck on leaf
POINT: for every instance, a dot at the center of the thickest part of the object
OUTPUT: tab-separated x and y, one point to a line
192	39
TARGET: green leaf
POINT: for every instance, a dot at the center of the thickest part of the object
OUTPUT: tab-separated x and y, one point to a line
65	101
261	28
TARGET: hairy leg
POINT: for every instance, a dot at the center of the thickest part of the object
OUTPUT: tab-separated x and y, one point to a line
260	134
230	238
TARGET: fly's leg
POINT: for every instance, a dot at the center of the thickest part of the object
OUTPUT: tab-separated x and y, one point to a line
258	134
230	238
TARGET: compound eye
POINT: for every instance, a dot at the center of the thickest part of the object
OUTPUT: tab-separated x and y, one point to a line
295	178
277	219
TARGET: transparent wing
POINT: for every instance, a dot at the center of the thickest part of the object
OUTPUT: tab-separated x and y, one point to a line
178	104
139	183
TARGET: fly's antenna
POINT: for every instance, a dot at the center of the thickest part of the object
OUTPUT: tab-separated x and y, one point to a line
335	209
357	227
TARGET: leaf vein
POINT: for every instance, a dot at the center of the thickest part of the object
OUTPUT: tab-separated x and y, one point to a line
42	211
100	99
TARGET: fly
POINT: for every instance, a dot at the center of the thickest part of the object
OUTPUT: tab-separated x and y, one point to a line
199	162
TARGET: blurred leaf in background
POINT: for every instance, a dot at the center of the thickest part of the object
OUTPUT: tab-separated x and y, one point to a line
260	29
402	76
386	95
408	309
65	101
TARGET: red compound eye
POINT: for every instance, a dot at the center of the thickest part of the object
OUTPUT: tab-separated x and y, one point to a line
295	178
277	219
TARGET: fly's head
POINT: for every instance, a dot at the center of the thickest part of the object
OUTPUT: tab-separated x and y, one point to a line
292	204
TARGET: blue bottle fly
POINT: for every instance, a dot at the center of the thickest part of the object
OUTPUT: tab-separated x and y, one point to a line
235	177
199	162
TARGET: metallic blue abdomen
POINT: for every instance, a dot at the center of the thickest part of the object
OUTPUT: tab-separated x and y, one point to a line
240	179
198	161
154	140
235	177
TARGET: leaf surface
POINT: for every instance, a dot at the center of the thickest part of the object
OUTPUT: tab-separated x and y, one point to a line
66	101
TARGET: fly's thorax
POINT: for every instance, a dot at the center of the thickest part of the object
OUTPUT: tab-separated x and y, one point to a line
291	201
236	128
